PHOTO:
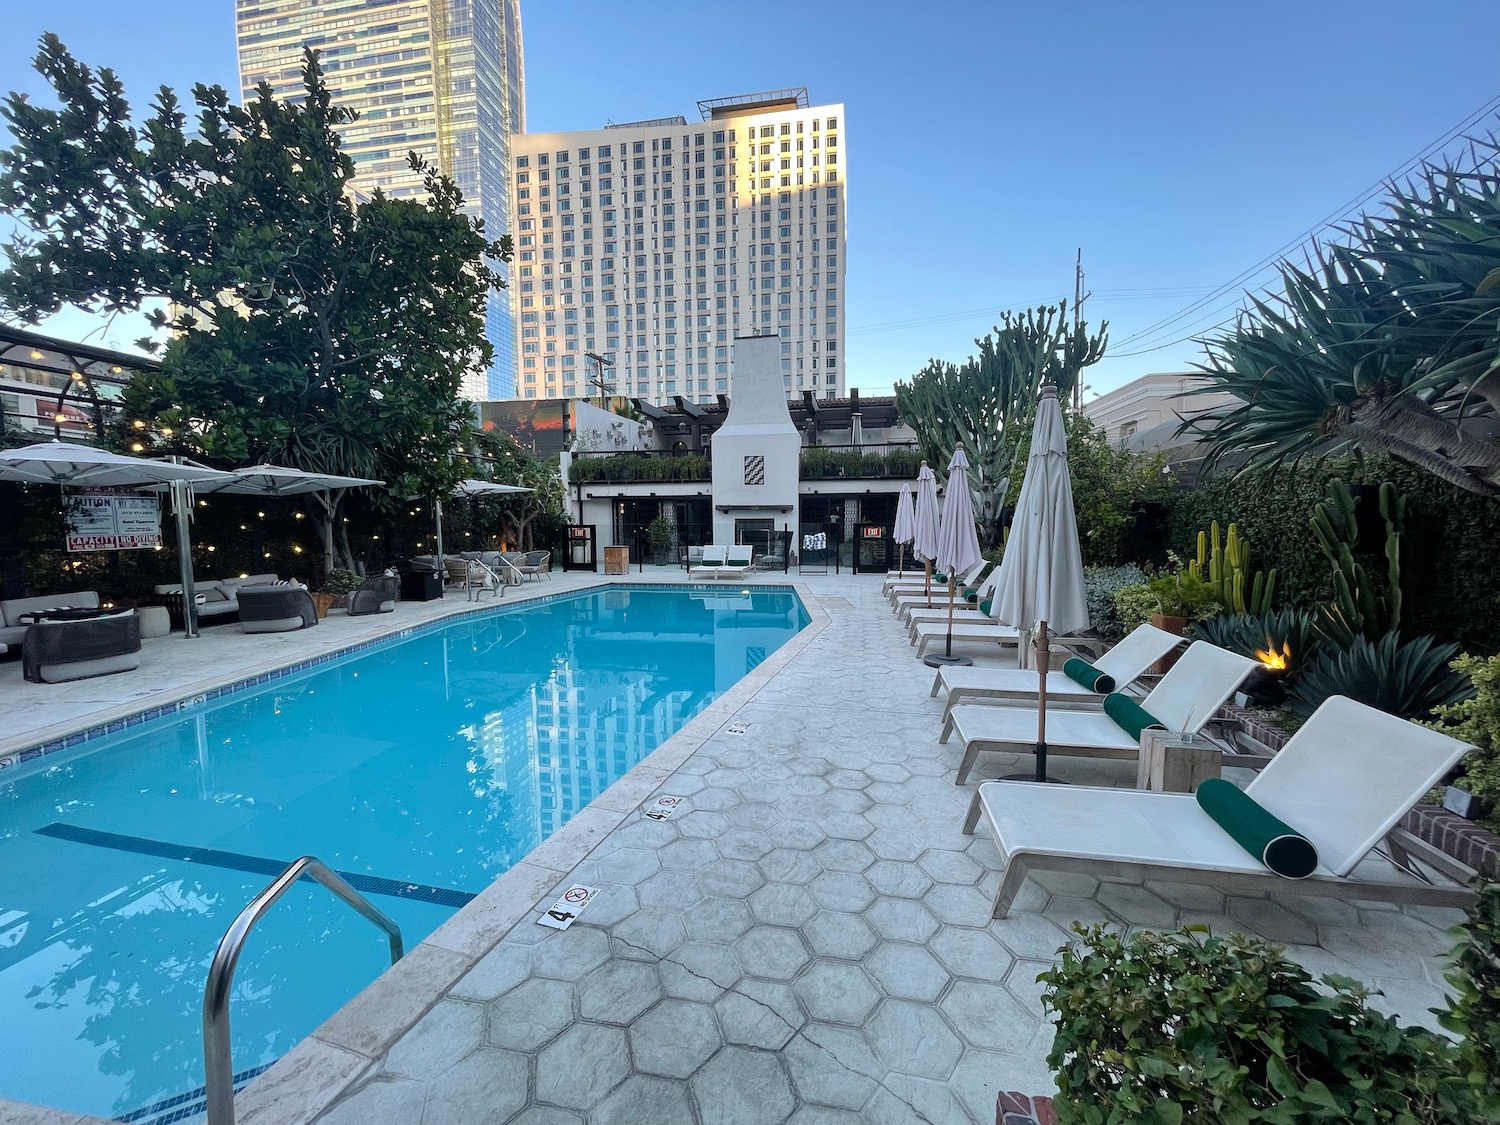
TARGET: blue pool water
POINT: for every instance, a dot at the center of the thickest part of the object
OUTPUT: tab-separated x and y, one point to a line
428	765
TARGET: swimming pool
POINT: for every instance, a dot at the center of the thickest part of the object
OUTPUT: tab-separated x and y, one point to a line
426	765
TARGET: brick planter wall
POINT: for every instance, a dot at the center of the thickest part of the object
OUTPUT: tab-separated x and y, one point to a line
1464	840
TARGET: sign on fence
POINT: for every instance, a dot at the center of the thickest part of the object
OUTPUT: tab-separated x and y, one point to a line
114	521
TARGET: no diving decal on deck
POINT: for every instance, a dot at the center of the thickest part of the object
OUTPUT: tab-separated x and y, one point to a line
663	807
560	915
737	728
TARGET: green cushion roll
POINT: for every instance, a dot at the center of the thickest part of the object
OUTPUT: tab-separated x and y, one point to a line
1129	715
1281	848
940	578
971	595
984	606
1084	673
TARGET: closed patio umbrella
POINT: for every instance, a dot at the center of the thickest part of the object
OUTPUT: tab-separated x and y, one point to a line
924	541
1041	574
79	466
958	543
906	520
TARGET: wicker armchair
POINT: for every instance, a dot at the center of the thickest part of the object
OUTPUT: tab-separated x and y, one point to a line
57	651
276	609
377	595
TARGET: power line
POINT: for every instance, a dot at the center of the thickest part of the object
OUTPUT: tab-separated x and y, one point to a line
1145	335
1100	296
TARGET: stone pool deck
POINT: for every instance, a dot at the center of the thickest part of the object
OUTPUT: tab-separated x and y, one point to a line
808	939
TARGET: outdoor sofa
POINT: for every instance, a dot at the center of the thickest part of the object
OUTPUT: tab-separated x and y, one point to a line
377	595
276	609
13	629
55	652
218	598
530	564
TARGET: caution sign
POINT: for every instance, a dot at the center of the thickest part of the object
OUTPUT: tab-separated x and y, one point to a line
114	521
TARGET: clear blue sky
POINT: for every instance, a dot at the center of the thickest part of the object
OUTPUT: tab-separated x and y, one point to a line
1178	142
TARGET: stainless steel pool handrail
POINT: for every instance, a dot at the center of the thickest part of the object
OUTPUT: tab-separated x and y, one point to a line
218	1071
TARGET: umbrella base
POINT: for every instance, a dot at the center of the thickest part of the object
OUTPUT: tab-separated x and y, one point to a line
940	660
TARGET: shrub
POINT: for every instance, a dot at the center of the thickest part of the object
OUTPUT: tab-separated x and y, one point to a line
1135	605
341	581
1100	585
1180	594
1289	633
1476	720
1159	1029
1410	679
1474	1011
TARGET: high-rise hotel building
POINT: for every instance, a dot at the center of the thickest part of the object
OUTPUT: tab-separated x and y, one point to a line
442	78
653	244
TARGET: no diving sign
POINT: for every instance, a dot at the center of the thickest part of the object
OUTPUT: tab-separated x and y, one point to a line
560	915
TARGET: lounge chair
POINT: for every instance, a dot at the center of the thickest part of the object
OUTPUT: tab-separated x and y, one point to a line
276	609
709	566
913	610
1344	781
894	588
926	633
738	561
1125	663
1185	699
14	614
55	652
377	595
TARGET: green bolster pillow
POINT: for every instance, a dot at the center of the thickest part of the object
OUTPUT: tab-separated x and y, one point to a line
984	606
940	578
971	595
1084	673
1129	715
1280	847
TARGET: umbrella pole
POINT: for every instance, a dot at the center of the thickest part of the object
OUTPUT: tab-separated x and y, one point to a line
182	510
946	657
1043	661
900	560
437	509
928	582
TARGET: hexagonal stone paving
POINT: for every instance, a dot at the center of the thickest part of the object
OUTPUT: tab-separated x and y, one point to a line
783	904
835	934
759	1013
784	865
581	1067
988	1016
908	971
844	855
489	1085
738	1077
717	919
842	890
674	1039
618	992
770	951
530	1014
899	879
913	1039
836	992
902	920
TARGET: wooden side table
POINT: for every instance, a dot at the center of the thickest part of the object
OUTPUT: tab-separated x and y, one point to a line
617	560
1171	764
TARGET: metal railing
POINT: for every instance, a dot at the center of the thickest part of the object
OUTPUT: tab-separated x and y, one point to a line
218	1071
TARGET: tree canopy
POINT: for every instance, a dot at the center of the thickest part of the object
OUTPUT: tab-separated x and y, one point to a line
989	400
1386	342
312	325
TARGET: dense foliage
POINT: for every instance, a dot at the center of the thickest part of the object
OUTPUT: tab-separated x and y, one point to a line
1161	1029
1474	1011
618	468
1385	344
989	400
1100	585
819	463
1289	635
1406	678
1476	720
311	326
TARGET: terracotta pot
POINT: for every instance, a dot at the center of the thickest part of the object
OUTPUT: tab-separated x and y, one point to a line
324	602
1176	626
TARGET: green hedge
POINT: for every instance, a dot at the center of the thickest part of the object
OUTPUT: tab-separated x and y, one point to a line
820	463
622	468
1453	586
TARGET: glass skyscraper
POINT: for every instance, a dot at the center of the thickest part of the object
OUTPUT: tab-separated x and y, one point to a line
442	78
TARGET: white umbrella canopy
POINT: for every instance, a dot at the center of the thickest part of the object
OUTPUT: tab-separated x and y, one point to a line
278	480
470	489
1041	573
958	542
79	466
924	532
906	524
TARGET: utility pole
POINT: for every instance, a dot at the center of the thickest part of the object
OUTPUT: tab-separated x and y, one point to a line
600	364
1078	323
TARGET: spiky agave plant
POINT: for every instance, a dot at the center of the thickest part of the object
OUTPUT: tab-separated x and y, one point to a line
1409	679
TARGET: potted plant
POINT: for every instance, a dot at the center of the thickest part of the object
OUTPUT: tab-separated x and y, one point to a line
660	535
337	587
1181	597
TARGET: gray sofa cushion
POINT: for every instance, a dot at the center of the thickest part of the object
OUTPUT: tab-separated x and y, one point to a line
12	633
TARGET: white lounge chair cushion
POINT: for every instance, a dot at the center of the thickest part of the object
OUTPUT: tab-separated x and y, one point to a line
965	631
1126	662
1017	726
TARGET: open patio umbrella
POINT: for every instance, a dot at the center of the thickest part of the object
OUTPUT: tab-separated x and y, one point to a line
906	520
924	540
958	543
470	489
1041	574
79	466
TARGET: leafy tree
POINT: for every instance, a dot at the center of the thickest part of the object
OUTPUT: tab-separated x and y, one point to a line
988	402
312	326
1385	345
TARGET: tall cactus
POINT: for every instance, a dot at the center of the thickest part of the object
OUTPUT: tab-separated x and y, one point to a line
1225	566
1357	609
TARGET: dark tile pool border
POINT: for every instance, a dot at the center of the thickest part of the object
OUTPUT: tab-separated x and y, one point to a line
191	701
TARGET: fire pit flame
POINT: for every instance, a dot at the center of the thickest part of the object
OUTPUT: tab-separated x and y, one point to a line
1271	659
